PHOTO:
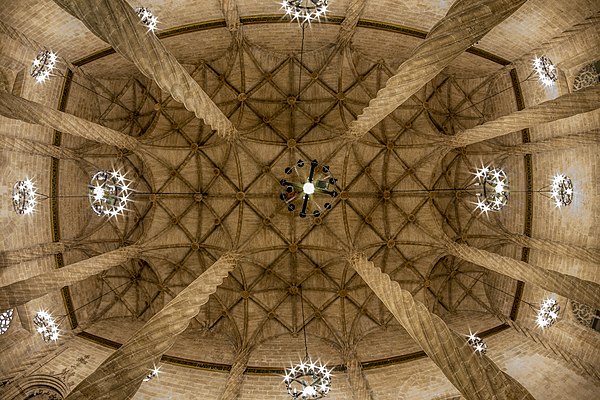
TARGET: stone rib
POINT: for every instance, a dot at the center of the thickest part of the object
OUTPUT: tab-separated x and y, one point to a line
236	377
358	382
565	106
466	22
571	287
115	22
34	113
121	374
26	290
475	376
18	145
348	25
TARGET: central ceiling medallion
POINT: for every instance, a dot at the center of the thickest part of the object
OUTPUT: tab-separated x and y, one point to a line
309	189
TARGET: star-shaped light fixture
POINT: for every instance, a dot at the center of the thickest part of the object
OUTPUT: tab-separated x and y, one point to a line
477	343
109	193
561	190
43	65
302	11
24	197
546	71
152	374
308	380
493	185
548	313
46	326
148	19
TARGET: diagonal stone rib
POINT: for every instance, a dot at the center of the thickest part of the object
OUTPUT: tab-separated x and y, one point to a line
571	287
565	106
26	290
37	148
121	374
34	113
230	12
466	22
475	376
115	22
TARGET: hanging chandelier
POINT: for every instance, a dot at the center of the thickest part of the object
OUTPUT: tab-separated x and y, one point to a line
546	71
5	320
46	326
108	193
308	380
301	11
310	191
43	65
152	374
493	184
562	190
24	197
148	19
548	313
477	343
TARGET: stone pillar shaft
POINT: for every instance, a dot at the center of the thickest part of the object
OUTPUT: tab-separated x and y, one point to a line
19	145
26	290
236	377
556	143
571	287
11	257
475	376
121	374
556	248
565	106
34	113
358	382
466	22
115	22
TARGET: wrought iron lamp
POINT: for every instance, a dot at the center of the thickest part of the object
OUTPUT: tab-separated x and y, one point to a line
303	11
43	65
546	71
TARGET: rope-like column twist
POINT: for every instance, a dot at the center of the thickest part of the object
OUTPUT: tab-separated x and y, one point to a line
565	106
11	257
358	382
557	143
571	287
34	113
36	148
121	374
348	25
26	290
556	248
474	375
115	22
236	376
466	22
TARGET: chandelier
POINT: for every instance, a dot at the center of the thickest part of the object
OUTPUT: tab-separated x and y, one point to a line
548	313
477	343
108	193
545	70
24	197
149	20
302	11
43	65
46	326
494	189
5	320
308	379
561	190
309	190
152	374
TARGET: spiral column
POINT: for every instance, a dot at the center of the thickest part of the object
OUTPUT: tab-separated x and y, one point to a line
358	382
34	113
557	143
121	374
571	287
115	22
466	22
560	249
19	145
26	290
11	257
565	106
236	376
474	375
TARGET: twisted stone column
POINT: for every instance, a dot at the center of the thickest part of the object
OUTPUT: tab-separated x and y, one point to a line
565	285
26	290
34	113
236	376
565	106
560	249
115	22
474	375
358	382
466	22
230	12
557	143
348	25
10	257
18	145
121	374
